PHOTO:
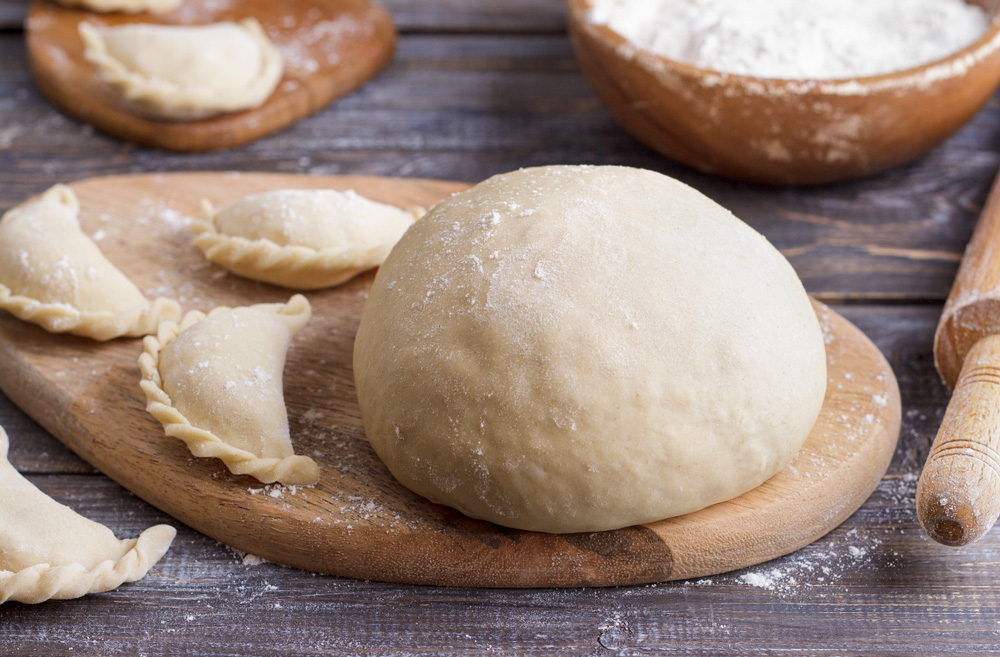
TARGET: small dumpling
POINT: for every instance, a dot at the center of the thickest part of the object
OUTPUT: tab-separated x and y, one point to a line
127	6
183	72
302	239
52	274
48	551
215	382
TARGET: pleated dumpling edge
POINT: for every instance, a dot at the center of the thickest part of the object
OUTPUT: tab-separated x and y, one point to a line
301	239
50	552
54	275
215	382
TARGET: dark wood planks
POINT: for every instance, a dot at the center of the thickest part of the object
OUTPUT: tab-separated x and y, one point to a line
33	450
12	14
519	16
522	16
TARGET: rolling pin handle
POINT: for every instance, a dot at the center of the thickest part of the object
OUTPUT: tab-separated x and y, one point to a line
958	495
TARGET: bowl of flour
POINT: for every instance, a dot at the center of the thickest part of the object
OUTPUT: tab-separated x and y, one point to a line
786	91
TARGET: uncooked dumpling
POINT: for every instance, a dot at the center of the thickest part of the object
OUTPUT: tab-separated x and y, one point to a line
52	274
127	6
569	349
215	382
301	238
48	551
182	72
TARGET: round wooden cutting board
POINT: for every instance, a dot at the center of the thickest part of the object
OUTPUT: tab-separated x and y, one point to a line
357	521
329	47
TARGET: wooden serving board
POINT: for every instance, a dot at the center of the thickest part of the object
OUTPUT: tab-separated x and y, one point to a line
357	521
330	47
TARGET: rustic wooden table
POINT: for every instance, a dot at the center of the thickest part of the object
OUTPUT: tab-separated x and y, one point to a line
480	87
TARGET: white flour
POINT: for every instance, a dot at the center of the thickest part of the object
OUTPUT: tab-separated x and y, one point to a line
821	39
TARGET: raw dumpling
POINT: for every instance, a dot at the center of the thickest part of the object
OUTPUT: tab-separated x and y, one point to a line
181	72
128	6
52	274
48	551
215	382
303	239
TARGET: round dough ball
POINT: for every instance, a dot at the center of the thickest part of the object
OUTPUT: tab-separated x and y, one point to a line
568	349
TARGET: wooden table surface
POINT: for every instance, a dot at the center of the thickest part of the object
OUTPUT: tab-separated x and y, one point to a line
484	86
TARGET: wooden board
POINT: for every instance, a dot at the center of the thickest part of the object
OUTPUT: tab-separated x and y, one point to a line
330	47
357	521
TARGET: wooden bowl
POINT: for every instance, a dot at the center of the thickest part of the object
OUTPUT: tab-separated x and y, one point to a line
784	131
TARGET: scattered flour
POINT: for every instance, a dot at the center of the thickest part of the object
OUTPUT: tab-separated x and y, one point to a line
277	491
312	416
173	219
768	580
822	564
253	560
819	39
246	558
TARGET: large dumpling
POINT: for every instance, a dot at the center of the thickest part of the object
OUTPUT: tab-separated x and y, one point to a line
183	72
52	274
215	382
48	551
302	239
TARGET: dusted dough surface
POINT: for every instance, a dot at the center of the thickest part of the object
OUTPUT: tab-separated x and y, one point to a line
49	551
52	274
127	6
300	238
569	349
181	72
215	382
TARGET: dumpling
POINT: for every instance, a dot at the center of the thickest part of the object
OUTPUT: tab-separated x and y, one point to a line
182	72
127	6
48	551
215	382
303	239
52	274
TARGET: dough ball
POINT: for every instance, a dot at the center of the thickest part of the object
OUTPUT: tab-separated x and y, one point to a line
568	349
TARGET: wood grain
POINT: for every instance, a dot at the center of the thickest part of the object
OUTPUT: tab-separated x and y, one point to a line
485	16
330	47
972	311
958	499
358	521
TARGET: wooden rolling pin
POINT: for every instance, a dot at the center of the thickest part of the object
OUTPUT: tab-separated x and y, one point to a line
958	496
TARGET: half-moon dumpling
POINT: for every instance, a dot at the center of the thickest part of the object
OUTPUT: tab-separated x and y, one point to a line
215	382
183	72
303	239
52	274
127	6
48	551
